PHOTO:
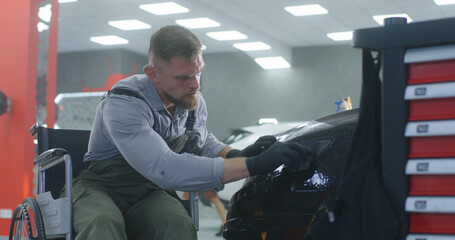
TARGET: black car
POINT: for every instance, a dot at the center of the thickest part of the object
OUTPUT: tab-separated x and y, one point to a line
282	204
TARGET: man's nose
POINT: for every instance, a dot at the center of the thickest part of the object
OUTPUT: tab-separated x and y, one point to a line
194	82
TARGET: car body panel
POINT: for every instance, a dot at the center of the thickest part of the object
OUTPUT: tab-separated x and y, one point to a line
243	137
282	204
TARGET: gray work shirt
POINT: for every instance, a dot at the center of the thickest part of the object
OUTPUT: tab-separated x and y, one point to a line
126	125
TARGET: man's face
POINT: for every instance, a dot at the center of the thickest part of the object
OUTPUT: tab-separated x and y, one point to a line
177	80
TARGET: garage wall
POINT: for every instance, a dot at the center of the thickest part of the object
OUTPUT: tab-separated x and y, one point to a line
93	68
238	92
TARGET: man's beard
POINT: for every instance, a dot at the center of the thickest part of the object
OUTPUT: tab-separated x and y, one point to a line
181	103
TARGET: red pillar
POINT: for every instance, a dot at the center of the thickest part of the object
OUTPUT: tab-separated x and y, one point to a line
18	71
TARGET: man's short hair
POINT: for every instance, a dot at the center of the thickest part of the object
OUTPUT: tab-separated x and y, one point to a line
173	41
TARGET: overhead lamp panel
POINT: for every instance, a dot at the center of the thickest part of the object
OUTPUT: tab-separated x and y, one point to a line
196	23
131	24
444	2
252	46
272	62
109	40
340	36
164	8
306	10
227	35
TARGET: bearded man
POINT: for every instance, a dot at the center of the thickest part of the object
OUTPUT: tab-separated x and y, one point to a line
149	136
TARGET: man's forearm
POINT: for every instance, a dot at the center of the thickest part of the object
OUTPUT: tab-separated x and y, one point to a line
234	169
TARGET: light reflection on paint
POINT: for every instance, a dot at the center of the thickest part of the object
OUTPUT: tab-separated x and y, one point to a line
318	180
291	133
300	130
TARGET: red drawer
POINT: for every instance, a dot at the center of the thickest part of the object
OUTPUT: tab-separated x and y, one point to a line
427	147
429	237
431	72
432	223
432	109
428	185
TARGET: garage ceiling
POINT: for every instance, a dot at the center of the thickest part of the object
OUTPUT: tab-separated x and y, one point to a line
260	20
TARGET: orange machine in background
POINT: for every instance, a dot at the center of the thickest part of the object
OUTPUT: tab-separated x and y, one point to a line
18	80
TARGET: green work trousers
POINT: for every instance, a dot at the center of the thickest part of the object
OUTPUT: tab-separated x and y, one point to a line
112	201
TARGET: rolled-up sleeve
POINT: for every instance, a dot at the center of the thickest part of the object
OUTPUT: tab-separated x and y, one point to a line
128	123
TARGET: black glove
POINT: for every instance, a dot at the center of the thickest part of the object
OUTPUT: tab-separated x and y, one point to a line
262	144
290	154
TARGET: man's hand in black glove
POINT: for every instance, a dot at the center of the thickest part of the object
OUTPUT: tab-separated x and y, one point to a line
290	154
262	144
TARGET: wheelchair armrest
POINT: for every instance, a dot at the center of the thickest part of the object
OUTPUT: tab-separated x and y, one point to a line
50	157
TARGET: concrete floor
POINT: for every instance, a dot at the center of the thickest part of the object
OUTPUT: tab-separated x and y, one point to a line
209	224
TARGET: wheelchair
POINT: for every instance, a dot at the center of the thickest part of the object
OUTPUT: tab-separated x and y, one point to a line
59	155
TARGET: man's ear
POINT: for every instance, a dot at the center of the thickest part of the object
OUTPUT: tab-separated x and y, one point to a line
150	71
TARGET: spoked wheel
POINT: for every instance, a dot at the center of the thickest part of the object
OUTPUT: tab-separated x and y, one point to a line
36	219
27	222
20	225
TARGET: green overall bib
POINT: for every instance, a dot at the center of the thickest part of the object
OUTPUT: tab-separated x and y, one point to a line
111	201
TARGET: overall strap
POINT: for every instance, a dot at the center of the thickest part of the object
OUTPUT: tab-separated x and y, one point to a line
179	145
190	121
124	91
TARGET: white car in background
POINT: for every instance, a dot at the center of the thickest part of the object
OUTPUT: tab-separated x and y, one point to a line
241	138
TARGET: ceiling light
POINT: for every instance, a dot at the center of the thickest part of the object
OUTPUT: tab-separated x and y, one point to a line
66	1
164	8
45	13
227	35
252	46
272	62
340	36
203	47
268	121
306	10
444	2
380	18
131	24
109	40
42	26
194	23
